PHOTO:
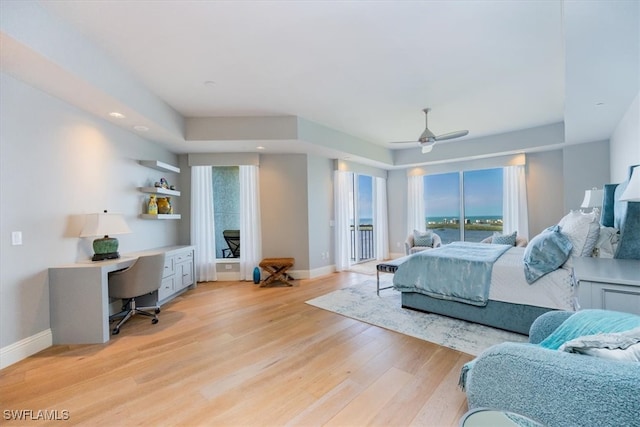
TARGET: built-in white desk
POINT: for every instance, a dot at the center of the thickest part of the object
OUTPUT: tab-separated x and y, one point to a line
79	292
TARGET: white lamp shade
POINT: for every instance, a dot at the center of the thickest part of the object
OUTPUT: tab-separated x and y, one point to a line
104	224
632	192
592	198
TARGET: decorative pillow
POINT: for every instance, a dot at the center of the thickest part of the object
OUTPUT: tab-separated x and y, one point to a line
583	230
504	239
422	238
590	322
617	346
545	253
607	242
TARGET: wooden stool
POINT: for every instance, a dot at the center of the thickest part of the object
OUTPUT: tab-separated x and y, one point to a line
277	269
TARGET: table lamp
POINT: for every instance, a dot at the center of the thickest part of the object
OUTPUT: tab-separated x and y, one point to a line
104	224
632	192
592	198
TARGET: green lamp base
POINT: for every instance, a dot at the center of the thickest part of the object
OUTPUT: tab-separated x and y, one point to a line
105	248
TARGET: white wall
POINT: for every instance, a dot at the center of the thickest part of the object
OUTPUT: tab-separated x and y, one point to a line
58	163
625	143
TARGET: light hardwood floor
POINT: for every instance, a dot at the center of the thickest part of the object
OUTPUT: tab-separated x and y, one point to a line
235	354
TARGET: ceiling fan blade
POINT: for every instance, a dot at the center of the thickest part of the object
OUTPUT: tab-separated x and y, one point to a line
451	135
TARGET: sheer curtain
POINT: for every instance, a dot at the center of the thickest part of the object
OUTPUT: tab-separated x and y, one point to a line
202	223
343	186
514	201
415	204
250	231
380	218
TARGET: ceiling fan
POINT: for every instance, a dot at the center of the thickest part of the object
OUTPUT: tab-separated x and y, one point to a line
428	139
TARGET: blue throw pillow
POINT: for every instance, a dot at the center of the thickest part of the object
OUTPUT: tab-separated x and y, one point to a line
545	253
504	239
422	238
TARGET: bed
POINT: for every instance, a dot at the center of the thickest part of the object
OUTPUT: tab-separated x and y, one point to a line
510	302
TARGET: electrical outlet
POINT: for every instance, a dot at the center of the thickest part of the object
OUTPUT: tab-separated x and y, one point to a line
16	238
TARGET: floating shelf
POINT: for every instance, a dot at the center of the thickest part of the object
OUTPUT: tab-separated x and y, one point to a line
159	190
161	166
161	216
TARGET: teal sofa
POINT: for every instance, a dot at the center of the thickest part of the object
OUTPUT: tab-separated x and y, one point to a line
555	387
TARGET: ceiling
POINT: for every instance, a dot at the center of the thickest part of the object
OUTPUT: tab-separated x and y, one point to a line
364	69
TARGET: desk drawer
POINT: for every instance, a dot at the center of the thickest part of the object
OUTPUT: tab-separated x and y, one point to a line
169	266
166	289
185	256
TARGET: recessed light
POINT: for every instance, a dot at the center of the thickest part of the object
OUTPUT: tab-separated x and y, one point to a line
209	83
117	115
260	147
141	128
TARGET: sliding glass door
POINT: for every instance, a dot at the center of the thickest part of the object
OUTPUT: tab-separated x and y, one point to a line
361	218
464	206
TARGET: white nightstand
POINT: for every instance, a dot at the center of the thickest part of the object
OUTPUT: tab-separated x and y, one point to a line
611	284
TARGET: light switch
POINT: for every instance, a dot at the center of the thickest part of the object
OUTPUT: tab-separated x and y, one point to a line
16	238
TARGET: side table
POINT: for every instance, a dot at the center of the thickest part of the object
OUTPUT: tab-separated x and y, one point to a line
610	284
486	417
277	269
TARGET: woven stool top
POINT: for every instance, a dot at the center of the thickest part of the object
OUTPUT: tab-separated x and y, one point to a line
277	262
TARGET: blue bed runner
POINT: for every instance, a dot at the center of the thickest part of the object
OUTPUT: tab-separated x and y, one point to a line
459	271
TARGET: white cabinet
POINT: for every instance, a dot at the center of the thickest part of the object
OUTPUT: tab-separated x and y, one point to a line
610	284
159	191
178	272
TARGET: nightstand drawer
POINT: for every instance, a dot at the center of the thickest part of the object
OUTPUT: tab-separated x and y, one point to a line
609	296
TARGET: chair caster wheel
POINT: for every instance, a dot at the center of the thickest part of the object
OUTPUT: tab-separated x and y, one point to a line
154	321
116	331
157	310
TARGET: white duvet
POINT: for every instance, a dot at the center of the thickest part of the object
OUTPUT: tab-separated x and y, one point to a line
553	290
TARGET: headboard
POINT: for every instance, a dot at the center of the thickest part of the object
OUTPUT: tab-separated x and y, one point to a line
625	216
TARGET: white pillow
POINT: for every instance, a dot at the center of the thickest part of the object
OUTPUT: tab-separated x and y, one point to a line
607	242
583	230
617	346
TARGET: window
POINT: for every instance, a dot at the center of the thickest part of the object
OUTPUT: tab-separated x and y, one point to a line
226	199
464	205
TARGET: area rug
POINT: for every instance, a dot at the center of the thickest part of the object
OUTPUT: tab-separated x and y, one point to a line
361	302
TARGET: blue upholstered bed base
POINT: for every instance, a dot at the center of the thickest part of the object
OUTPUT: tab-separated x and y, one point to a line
511	317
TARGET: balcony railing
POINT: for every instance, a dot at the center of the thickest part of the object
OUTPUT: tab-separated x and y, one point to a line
362	239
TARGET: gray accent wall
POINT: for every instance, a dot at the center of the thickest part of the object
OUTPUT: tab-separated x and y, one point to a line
284	208
320	202
545	191
588	167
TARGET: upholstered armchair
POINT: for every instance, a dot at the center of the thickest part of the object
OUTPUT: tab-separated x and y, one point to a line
410	246
575	387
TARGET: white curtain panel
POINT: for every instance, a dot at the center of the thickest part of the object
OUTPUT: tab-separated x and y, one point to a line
380	218
343	186
250	231
415	204
202	223
514	201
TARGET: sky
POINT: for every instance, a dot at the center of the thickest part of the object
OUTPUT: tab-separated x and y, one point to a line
482	189
483	194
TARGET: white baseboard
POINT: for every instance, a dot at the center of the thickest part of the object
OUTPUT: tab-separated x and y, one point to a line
231	276
322	271
394	255
24	348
